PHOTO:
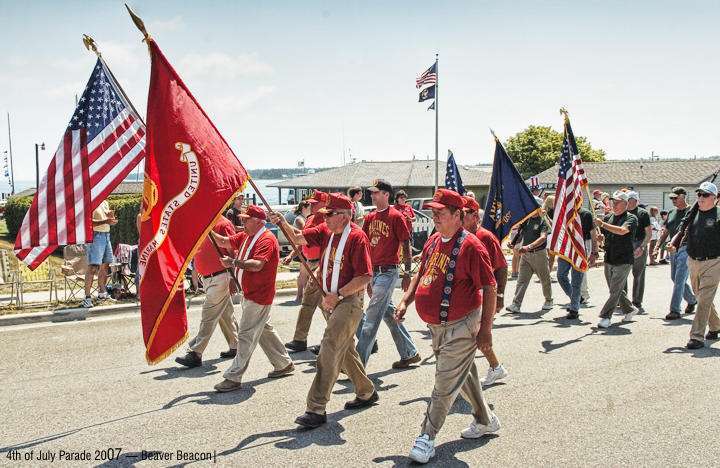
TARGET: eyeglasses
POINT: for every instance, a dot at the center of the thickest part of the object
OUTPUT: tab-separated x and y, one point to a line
704	194
330	214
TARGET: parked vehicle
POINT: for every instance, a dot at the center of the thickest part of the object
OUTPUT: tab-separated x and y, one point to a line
417	204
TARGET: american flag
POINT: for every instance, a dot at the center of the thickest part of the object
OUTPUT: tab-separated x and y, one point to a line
103	142
429	76
567	236
453	181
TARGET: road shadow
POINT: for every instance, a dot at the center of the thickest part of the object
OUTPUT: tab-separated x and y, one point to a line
208	367
683	320
459	406
549	346
704	352
562	322
614	330
445	454
513	325
289	303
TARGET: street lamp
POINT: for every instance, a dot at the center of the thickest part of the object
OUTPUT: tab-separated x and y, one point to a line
37	165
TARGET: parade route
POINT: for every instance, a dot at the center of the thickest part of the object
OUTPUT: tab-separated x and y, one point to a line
576	395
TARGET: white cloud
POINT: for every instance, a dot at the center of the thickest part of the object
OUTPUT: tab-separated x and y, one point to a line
171	24
240	101
220	65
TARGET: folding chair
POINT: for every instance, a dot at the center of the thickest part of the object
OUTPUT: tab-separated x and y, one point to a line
122	270
74	270
43	274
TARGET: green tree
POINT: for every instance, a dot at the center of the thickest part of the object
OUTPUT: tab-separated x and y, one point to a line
538	148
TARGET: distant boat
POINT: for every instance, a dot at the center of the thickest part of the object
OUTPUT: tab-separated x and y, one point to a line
311	171
284	176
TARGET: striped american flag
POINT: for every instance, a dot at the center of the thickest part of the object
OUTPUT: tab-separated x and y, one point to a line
429	76
567	237
103	142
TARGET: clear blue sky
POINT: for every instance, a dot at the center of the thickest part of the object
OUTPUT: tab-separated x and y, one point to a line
285	80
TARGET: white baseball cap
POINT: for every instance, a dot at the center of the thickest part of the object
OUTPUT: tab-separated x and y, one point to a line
620	195
633	194
707	187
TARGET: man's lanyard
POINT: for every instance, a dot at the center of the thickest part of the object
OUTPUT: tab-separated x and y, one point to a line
244	251
449	276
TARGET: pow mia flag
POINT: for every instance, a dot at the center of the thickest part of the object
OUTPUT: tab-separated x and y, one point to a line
427	93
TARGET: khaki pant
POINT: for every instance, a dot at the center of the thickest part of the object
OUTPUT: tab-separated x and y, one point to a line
255	329
312	298
217	308
455	371
337	350
616	278
533	262
704	278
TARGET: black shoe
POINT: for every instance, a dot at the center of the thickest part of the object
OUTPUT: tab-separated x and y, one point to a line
690	309
712	335
673	315
583	300
230	353
296	346
374	348
358	403
191	359
314	349
663	262
572	315
311	420
694	344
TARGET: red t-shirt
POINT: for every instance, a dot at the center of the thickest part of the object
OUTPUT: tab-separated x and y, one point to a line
497	258
407	212
472	272
259	286
356	251
385	230
207	259
312	221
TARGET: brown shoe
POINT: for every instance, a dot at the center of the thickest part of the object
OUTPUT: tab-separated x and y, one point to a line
227	386
405	363
279	373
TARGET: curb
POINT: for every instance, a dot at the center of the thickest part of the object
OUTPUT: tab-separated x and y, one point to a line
82	313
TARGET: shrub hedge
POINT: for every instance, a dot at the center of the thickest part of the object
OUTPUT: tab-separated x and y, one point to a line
126	209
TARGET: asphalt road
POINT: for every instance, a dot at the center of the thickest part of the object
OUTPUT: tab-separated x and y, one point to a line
627	396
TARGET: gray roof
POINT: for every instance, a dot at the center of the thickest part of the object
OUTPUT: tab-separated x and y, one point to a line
687	172
123	188
418	173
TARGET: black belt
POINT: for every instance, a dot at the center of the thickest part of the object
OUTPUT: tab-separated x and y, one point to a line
538	249
215	274
312	259
702	259
384	268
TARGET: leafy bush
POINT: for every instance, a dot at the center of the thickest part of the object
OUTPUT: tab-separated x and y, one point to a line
126	209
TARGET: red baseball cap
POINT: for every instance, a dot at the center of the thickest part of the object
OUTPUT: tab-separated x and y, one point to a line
443	198
318	197
470	204
253	212
337	201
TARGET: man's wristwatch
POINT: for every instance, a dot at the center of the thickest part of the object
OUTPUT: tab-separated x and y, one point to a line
500	295
236	263
340	296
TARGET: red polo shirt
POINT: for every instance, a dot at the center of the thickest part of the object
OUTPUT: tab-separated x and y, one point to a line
472	272
207	259
385	230
497	258
312	221
356	256
259	286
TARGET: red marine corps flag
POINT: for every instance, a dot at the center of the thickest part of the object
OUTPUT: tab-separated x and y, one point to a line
191	175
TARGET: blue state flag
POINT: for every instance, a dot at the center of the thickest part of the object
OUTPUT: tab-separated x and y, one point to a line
453	181
509	201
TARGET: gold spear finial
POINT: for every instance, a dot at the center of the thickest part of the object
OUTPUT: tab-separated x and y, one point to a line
90	44
493	134
564	112
139	23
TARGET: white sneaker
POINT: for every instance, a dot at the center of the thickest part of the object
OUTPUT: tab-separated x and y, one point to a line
87	302
629	316
547	305
477	430
513	308
423	450
604	323
493	375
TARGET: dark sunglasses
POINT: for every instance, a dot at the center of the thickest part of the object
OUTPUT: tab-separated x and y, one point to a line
704	194
330	214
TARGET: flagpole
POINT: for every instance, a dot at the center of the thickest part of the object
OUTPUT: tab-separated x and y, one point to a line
12	174
437	83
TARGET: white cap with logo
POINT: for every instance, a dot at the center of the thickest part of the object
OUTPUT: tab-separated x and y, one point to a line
707	187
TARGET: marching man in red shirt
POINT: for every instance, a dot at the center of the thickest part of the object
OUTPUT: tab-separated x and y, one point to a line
345	270
256	268
499	265
455	268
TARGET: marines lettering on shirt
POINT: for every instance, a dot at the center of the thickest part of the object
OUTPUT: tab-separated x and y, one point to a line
472	271
355	259
259	286
385	230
